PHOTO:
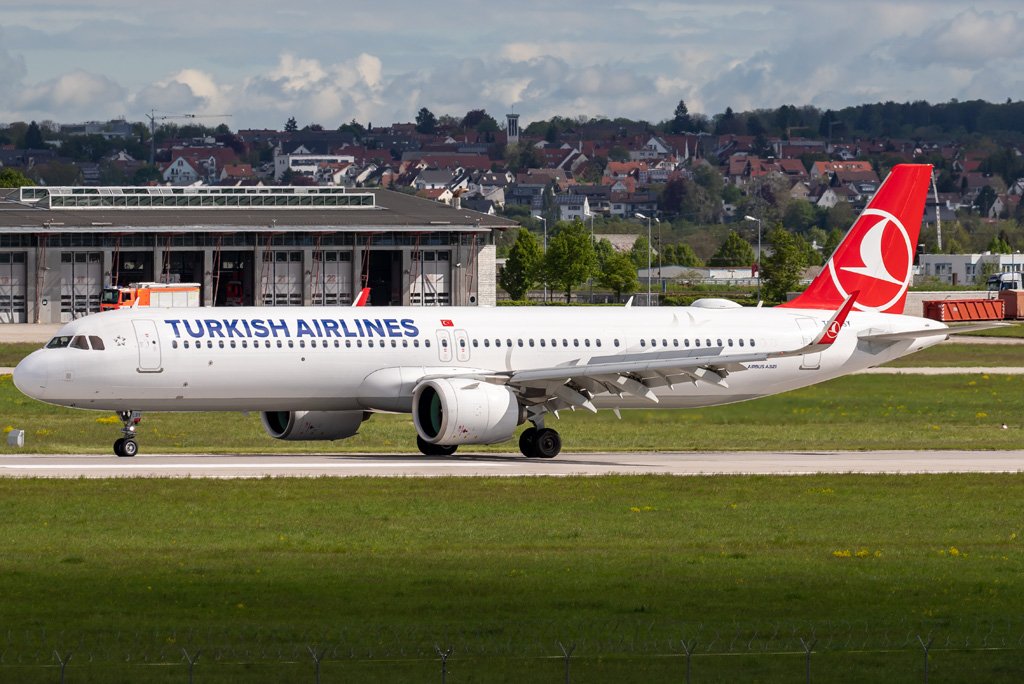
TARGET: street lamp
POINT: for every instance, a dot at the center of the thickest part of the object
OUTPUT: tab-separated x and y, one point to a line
545	221
648	219
758	262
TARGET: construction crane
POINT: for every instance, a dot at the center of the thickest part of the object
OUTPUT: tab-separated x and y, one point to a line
153	118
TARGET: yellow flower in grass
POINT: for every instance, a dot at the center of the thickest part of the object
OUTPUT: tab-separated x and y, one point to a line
841	553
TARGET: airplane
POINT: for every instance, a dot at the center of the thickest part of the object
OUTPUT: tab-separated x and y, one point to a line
473	375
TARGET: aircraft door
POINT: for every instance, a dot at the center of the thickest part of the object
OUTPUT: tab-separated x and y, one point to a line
444	346
149	346
809	328
461	345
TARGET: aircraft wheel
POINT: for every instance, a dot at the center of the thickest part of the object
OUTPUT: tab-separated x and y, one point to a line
528	442
547	443
129	448
428	449
119	447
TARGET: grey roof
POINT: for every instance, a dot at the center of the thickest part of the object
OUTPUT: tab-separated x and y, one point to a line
393	211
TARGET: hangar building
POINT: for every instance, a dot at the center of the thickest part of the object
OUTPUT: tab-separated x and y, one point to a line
262	246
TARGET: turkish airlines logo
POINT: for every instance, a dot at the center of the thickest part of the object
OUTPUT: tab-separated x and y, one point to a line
886	256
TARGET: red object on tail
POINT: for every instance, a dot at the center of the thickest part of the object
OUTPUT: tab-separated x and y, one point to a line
876	257
362	298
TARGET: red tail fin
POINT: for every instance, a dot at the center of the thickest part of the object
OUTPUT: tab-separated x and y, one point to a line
877	255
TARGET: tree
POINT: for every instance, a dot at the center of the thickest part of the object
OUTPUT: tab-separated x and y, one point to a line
426	122
799	216
523	265
291	125
781	270
12	178
640	252
618	274
570	258
681	121
33	137
999	245
145	174
735	251
682	254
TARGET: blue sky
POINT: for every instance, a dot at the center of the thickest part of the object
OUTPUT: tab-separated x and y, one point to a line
331	62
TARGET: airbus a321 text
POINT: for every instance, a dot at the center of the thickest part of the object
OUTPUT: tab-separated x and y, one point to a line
474	375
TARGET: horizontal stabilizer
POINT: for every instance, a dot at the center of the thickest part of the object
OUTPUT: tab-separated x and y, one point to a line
930	332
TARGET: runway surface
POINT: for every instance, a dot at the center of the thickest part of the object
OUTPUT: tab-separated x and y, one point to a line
348	465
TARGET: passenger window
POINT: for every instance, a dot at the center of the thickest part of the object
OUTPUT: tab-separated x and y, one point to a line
337	344
654	343
302	344
462	343
475	343
220	343
487	342
616	341
348	343
426	343
405	343
79	342
586	342
174	344
394	343
508	342
531	341
719	340
741	341
675	342
729	341
575	342
359	343
416	343
751	341
696	342
279	344
245	344
664	343
369	343
97	343
597	342
542	342
291	344
520	342
209	344
554	342
444	343
643	342
708	342
686	342
232	344
565	342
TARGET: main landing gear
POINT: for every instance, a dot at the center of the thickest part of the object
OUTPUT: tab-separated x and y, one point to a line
428	449
540	442
126	446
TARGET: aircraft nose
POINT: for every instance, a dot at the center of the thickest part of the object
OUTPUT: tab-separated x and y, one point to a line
30	376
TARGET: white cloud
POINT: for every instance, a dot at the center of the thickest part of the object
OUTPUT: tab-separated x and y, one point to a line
78	92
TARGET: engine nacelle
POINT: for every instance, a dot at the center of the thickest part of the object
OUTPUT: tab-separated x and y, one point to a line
450	411
312	425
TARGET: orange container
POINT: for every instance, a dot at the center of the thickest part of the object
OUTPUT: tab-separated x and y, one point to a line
1013	300
964	309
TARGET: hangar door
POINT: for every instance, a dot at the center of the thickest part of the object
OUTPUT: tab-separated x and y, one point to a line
281	278
431	278
81	283
13	286
332	278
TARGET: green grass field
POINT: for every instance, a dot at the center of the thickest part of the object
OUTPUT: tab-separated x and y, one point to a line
959	355
1013	330
857	412
501	569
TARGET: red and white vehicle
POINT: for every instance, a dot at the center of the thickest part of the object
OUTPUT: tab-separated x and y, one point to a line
473	375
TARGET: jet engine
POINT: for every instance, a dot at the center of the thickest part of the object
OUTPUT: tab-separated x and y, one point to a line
451	411
312	425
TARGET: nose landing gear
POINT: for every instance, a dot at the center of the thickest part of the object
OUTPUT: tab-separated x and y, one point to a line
126	446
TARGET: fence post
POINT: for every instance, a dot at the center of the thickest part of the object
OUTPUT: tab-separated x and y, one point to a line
191	660
688	647
926	647
444	661
317	657
567	654
808	648
63	663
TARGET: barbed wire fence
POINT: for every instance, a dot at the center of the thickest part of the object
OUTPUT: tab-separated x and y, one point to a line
999	641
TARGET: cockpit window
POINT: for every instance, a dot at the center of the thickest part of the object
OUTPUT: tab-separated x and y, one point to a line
79	342
97	343
59	342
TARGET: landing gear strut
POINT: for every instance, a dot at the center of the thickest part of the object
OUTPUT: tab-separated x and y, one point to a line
126	446
540	442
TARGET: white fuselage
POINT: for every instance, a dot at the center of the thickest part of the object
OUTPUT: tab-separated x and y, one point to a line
337	359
